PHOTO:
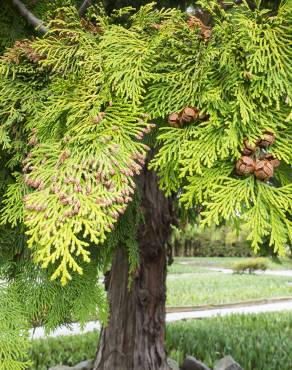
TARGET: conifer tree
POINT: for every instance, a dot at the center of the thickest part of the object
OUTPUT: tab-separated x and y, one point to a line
109	122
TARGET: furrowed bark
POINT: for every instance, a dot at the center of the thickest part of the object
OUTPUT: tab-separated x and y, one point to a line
134	338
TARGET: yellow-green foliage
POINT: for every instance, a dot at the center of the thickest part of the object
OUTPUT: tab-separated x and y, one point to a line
13	332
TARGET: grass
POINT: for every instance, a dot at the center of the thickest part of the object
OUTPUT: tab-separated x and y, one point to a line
219	288
257	342
177	268
199	264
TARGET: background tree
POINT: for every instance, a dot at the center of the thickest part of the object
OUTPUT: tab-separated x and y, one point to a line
80	156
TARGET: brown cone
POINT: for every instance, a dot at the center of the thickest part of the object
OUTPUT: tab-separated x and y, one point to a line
99	117
264	169
245	166
156	26
274	161
174	120
194	22
267	140
189	114
248	148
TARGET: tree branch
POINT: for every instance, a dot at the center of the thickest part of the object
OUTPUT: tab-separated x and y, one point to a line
30	18
84	6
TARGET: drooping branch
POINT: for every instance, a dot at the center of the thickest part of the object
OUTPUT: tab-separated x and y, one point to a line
29	17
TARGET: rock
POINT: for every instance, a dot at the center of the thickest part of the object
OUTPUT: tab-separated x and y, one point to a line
227	363
84	365
191	363
172	364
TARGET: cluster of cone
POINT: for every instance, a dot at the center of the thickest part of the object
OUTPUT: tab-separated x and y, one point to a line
255	160
187	115
195	22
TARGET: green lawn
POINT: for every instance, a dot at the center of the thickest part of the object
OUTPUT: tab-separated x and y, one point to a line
218	288
178	268
198	264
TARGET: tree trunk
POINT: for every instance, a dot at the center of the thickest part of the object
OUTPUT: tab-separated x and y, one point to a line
134	338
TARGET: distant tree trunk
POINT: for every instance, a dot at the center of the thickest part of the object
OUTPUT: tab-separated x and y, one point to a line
134	338
177	248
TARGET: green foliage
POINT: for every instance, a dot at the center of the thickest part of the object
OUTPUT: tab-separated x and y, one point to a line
12	211
250	265
47	303
14	343
34	300
130	54
264	209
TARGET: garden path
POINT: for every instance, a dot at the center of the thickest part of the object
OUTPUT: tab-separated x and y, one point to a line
174	316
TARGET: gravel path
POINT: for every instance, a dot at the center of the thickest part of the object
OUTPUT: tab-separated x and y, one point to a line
90	326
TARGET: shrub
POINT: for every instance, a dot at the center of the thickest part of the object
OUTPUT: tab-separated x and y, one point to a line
250	266
67	350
